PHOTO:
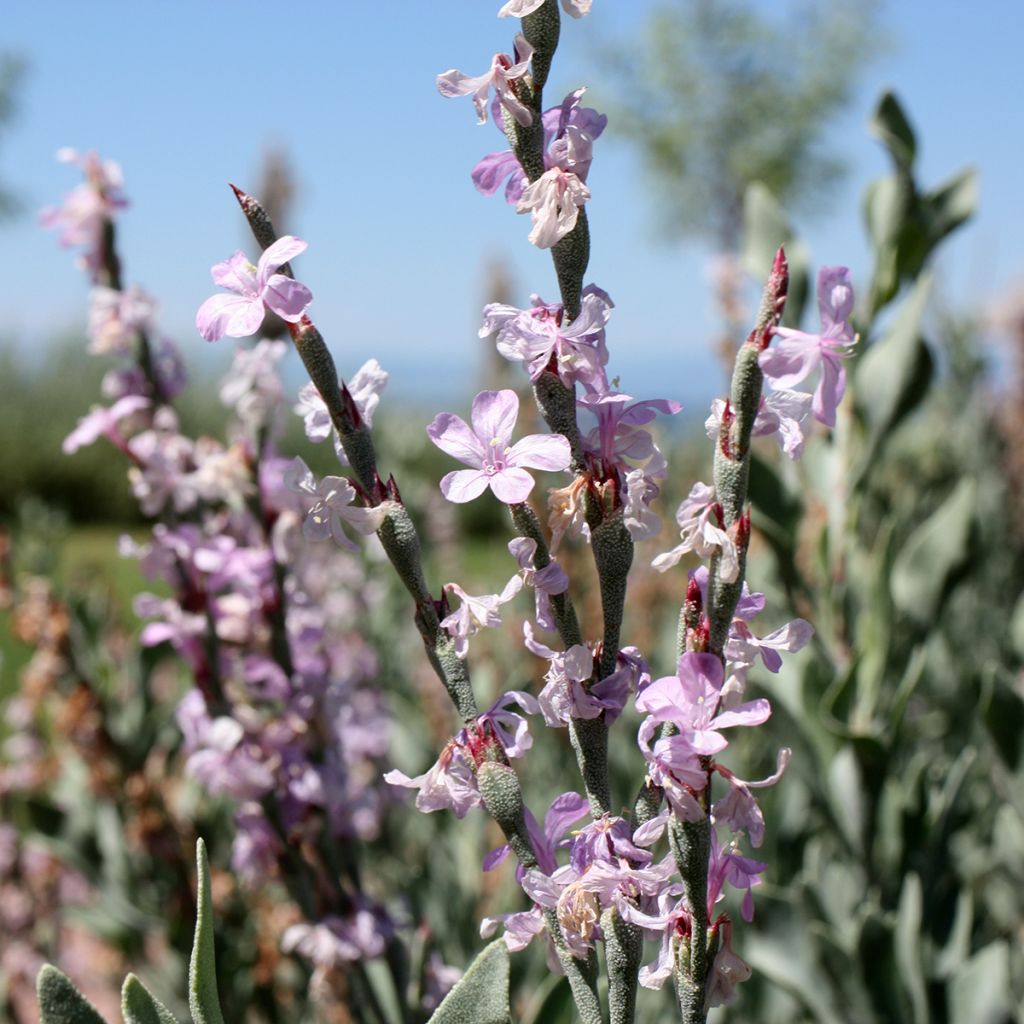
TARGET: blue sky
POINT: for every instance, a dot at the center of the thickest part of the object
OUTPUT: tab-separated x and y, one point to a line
187	96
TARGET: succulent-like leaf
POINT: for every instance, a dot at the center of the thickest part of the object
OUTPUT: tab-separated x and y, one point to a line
980	990
908	943
203	1000
893	375
60	1002
934	551
138	1006
889	123
481	996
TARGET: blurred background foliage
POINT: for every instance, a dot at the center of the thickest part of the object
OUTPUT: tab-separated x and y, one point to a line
896	839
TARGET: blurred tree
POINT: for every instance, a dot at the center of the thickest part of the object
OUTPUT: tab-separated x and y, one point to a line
11	70
719	95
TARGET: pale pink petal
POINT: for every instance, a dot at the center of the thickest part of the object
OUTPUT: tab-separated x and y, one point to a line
792	360
287	298
511	485
464	485
284	249
829	391
494	416
541	451
233	315
235	274
452	435
752	713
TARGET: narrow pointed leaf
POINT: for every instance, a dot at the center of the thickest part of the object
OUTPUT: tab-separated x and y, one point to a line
934	551
60	1002
481	996
203	1000
138	1006
890	125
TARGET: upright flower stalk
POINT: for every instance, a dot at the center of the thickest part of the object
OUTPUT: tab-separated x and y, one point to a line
594	880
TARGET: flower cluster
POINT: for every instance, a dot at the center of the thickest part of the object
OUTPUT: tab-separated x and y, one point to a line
285	719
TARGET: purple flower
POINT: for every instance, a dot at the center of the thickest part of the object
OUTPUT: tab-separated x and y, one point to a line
727	971
740	872
671	918
689	700
333	506
537	335
510	728
608	839
486	448
103	422
449	784
780	415
565	810
256	289
619	449
743	647
553	201
564	696
116	317
476	613
799	354
337	940
738	809
503	72
87	207
365	387
700	535
569	134
547	581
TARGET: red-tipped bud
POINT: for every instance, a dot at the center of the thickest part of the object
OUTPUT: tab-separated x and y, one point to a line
699	638
348	404
743	530
725	434
392	489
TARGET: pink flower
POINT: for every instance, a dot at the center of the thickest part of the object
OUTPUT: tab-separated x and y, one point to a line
476	613
102	422
689	700
799	354
486	449
503	72
257	288
80	218
553	201
699	534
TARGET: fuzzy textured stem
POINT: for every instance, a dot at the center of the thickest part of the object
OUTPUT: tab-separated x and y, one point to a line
623	951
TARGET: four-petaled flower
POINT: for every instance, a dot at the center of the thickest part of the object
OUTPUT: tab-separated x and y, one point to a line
485	447
799	354
553	201
256	289
501	76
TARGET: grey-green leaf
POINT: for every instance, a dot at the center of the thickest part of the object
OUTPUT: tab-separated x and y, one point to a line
138	1006
889	123
934	551
908	946
948	206
60	1002
203	1000
893	374
980	990
481	996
